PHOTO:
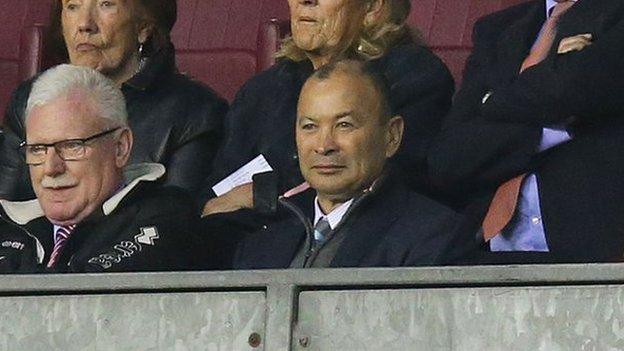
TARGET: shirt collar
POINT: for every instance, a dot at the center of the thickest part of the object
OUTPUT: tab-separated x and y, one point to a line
549	6
57	227
55	231
334	217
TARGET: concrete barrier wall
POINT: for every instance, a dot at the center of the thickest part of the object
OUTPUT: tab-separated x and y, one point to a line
568	307
510	319
175	321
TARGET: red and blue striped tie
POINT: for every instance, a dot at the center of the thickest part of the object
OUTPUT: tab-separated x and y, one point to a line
62	235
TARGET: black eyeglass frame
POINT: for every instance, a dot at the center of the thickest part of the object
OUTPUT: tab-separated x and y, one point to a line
83	141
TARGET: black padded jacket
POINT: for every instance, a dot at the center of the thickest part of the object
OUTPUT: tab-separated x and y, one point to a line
144	227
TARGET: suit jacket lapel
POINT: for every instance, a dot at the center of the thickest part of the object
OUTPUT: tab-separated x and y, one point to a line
368	226
516	42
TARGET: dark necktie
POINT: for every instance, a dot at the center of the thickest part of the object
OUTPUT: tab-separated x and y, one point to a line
62	235
505	200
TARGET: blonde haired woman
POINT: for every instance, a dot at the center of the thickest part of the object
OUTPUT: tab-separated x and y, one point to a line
261	120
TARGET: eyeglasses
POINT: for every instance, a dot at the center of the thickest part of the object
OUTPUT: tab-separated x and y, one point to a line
68	150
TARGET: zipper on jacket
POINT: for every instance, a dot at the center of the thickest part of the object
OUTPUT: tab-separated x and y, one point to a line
312	250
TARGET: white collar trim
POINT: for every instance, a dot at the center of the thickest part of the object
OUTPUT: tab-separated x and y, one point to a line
22	212
133	175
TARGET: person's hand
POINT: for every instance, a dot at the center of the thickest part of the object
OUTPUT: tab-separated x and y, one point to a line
236	199
574	43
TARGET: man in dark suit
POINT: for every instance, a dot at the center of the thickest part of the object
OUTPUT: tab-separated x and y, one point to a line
533	145
353	211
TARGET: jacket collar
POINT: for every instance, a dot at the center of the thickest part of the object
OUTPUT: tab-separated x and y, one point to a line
304	197
134	174
516	41
366	221
23	212
157	65
586	16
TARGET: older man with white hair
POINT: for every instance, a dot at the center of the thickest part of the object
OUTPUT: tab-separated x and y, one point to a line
91	213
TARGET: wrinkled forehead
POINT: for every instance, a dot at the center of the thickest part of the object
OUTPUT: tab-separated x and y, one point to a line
73	115
340	92
119	2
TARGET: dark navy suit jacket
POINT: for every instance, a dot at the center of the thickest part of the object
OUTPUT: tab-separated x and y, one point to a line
483	144
391	227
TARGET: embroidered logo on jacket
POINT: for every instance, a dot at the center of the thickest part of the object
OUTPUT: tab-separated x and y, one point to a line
147	236
13	244
126	249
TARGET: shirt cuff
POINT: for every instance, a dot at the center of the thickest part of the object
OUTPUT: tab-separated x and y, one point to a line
553	137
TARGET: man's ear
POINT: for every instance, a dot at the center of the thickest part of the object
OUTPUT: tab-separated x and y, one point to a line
394	135
374	11
123	147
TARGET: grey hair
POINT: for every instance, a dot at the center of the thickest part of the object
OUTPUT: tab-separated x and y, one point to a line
62	80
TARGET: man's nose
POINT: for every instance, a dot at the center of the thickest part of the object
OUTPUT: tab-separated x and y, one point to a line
87	19
326	142
53	164
308	2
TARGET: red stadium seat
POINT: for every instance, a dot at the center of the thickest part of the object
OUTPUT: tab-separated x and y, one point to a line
221	42
15	15
269	38
446	26
224	42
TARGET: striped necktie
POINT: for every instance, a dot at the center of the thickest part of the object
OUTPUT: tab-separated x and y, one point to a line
321	231
62	235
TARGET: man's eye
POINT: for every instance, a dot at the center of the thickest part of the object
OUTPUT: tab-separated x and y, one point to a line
107	4
308	126
345	125
71	146
37	149
71	7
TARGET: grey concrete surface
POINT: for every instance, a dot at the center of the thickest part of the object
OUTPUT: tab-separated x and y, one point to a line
177	321
508	319
508	308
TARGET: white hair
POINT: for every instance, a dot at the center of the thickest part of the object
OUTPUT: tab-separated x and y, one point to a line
60	81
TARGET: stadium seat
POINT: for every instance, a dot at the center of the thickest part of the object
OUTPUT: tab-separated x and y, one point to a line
15	15
219	42
222	43
446	26
225	42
